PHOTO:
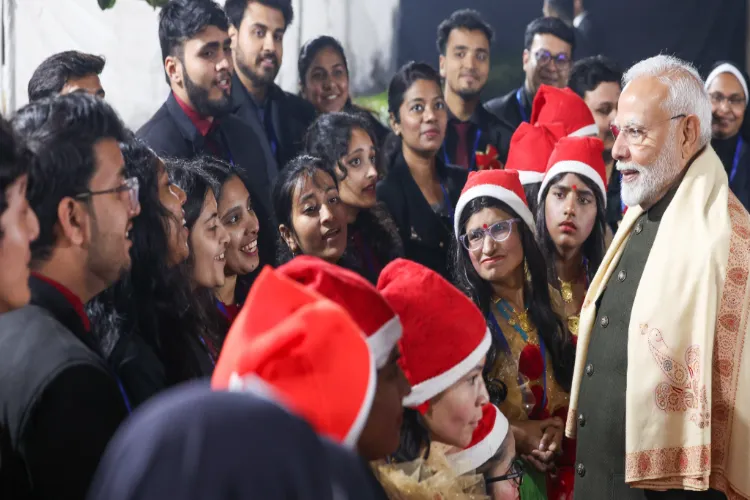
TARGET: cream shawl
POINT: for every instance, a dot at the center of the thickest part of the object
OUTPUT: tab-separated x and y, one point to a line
687	419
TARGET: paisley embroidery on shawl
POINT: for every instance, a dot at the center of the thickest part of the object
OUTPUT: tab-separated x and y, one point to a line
683	392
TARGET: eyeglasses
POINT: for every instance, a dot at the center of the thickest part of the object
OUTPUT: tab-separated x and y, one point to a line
499	231
636	135
561	60
734	101
515	474
129	188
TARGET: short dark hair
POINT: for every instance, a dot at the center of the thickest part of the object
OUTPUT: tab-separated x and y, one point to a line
235	10
12	162
468	19
329	136
50	77
311	48
564	9
60	134
181	20
588	73
549	26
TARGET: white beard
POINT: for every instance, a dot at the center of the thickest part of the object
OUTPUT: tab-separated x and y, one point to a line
652	179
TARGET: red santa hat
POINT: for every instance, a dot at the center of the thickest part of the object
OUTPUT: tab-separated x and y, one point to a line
530	149
356	295
308	349
553	105
581	156
445	334
503	185
486	440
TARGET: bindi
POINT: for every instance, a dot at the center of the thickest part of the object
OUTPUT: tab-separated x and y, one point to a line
575	187
484	226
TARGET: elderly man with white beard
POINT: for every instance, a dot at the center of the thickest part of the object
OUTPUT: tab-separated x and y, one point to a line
660	400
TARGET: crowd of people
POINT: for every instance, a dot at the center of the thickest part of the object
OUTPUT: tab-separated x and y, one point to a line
261	294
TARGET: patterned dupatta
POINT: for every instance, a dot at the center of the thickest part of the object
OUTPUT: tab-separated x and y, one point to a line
688	398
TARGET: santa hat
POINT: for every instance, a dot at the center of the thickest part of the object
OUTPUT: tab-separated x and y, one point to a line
356	295
445	334
553	105
581	156
308	349
503	185
530	149
486	440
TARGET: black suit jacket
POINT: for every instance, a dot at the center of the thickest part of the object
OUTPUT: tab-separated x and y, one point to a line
59	402
290	115
427	236
170	133
485	129
507	109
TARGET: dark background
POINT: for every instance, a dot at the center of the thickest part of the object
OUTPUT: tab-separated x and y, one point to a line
700	31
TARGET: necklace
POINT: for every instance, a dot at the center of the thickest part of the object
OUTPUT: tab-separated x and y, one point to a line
517	319
566	290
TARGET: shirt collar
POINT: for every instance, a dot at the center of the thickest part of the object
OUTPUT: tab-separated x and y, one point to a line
75	302
202	124
473	119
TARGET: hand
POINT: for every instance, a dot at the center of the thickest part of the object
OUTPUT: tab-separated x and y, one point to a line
550	445
539	441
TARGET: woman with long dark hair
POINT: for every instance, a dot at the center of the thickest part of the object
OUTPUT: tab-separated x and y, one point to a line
420	190
208	242
348	145
237	215
312	219
324	81
571	219
500	267
150	322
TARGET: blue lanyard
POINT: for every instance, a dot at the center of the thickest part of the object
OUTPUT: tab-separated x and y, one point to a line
521	107
124	395
447	201
222	308
208	351
736	160
505	314
472	154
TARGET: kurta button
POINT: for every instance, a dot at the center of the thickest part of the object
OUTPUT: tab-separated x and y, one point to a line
581	470
589	369
604	321
622	275
638	228
581	420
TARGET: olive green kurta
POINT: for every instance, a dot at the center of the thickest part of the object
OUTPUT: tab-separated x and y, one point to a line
600	455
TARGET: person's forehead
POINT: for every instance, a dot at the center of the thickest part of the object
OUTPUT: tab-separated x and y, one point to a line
550	42
642	101
109	161
210	34
604	92
726	82
474	39
257	13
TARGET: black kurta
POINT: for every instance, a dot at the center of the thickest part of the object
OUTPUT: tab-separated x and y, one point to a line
600	451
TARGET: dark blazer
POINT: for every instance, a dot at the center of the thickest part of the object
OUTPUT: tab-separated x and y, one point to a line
427	236
290	114
740	185
59	402
170	133
485	129
507	107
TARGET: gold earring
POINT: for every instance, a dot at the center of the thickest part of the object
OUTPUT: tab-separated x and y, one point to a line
526	271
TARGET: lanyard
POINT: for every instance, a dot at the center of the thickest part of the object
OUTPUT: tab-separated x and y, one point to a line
501	308
472	155
447	201
222	309
736	160
124	395
521	107
208	351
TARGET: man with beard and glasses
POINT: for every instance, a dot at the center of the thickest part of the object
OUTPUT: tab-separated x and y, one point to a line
547	57
257	29
661	386
597	80
59	401
463	41
196	119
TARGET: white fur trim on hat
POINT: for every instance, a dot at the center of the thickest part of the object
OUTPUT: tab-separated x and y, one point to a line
382	342
573	167
431	387
350	441
731	69
530	177
499	193
591	129
474	457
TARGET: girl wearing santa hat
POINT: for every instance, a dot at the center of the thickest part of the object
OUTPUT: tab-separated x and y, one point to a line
347	143
311	217
571	219
498	263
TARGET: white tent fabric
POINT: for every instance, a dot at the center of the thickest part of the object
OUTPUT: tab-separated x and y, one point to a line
127	37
